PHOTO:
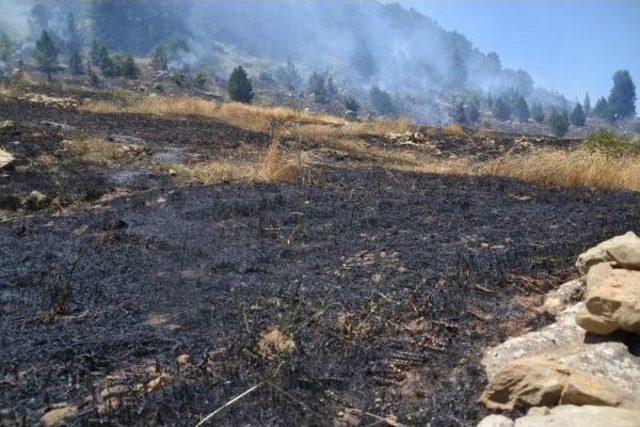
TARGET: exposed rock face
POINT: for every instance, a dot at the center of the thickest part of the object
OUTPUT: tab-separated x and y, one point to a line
612	299
557	338
565	296
527	382
580	416
624	250
496	421
6	159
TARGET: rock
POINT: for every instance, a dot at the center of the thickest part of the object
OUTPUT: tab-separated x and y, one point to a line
6	159
612	301
495	421
527	382
626	248
557	338
566	295
58	416
61	126
35	200
583	389
125	139
580	416
183	360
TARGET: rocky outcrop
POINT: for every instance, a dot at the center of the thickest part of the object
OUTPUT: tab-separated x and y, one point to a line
567	416
574	361
612	299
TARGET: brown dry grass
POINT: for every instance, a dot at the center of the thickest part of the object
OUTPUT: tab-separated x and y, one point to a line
99	151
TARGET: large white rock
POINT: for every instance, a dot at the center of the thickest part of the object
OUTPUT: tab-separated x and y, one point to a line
580	416
624	250
566	295
612	300
495	421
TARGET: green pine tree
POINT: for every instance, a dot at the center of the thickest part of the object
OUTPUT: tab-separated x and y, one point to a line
578	117
622	100
501	110
537	113
459	115
521	109
559	123
239	87
75	64
381	101
46	54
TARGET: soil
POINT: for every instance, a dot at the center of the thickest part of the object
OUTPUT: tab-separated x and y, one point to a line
381	288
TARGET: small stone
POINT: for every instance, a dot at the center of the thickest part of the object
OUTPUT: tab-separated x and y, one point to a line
183	360
115	390
58	416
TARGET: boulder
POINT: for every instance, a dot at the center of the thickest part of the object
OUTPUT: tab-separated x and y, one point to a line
580	416
557	338
527	382
566	295
495	421
625	250
6	159
612	301
583	389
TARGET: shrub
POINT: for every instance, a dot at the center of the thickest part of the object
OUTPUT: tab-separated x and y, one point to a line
160	58
351	103
521	109
75	64
602	110
459	115
537	113
578	118
6	47
501	110
239	87
381	101
559	123
607	141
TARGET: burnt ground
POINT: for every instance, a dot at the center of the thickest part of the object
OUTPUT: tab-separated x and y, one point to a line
389	284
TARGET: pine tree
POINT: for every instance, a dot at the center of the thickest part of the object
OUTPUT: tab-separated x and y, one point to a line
537	113
578	117
46	54
160	58
602	110
351	103
106	63
6	47
622	100
74	40
587	105
559	123
289	76
381	101
127	67
459	115
239	87
95	53
75	64
318	86
473	111
501	110
521	109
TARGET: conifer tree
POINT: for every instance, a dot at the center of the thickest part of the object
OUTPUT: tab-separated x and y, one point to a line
75	64
587	105
578	117
501	110
622	100
559	123
239	87
537	113
46	54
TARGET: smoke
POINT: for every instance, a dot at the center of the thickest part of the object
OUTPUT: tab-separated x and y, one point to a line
360	42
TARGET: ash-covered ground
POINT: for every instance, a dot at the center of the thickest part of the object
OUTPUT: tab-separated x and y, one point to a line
139	300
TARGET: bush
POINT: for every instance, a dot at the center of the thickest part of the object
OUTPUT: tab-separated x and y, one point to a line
459	115
318	86
381	101
239	87
127	67
75	64
351	103
537	113
578	118
501	110
559	123
521	109
610	143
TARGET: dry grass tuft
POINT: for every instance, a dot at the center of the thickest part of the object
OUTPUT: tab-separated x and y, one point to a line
101	152
580	167
449	130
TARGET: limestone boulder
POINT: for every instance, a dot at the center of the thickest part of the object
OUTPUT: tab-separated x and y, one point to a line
6	159
568	294
580	416
612	300
623	250
495	421
527	382
584	389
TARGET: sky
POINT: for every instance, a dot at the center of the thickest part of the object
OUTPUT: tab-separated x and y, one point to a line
570	46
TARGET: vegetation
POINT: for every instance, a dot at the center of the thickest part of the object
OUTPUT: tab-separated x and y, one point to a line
289	76
587	105
322	87
578	118
501	110
381	101
473	111
622	100
602	110
537	113
459	115
521	109
46	54
239	87
351	103
6	47
160	58
608	142
559	123
75	64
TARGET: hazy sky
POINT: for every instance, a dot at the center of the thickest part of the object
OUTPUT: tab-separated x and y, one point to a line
571	46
